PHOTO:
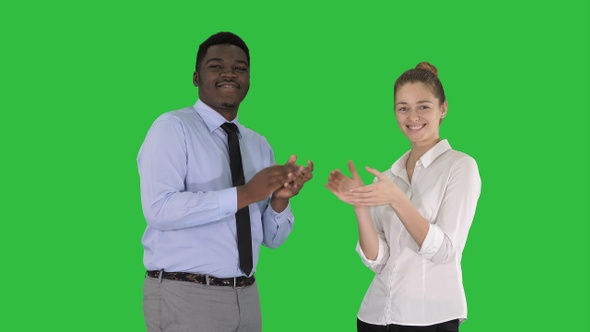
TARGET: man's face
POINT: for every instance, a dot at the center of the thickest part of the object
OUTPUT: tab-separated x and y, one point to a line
223	78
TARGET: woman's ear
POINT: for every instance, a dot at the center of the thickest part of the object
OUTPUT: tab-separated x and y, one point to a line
443	109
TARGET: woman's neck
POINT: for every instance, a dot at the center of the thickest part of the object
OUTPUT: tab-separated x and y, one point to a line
417	151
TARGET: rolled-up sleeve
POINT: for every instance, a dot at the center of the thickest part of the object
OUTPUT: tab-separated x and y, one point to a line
432	242
382	257
378	263
447	235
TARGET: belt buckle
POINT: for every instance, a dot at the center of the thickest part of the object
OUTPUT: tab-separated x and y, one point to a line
236	284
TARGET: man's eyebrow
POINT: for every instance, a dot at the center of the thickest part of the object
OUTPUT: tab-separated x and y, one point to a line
425	101
220	59
213	59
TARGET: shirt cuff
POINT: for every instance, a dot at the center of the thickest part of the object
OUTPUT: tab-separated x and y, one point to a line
281	217
432	242
371	262
228	201
286	211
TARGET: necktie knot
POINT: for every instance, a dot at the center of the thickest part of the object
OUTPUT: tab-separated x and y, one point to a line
229	127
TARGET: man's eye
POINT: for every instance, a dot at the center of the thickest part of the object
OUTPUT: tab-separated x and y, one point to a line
240	69
215	66
424	107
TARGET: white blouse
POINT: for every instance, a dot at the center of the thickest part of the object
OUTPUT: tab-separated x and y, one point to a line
423	286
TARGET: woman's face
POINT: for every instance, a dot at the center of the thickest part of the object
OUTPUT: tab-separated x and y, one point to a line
419	113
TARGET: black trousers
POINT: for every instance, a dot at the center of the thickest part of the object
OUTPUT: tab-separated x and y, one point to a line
450	326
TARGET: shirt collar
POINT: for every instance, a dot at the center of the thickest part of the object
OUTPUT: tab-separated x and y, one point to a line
212	119
428	158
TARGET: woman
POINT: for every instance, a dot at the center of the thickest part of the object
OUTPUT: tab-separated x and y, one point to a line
414	218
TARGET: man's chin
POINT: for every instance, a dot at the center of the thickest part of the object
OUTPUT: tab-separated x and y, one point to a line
229	105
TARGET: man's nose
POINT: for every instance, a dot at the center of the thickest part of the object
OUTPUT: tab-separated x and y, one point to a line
228	72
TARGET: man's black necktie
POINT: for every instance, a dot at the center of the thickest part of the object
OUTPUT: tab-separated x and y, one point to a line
243	215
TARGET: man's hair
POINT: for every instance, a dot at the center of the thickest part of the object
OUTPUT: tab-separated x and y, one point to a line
221	38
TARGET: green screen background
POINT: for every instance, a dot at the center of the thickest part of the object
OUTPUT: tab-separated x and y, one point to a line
81	82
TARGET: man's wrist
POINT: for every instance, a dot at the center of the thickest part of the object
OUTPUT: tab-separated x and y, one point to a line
278	204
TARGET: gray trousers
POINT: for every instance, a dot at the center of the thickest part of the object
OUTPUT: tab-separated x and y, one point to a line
180	306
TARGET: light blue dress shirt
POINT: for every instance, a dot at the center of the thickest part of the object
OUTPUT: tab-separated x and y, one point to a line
188	199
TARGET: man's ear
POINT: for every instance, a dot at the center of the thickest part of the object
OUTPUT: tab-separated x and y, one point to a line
196	78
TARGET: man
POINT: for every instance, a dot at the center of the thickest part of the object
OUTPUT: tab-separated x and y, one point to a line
208	207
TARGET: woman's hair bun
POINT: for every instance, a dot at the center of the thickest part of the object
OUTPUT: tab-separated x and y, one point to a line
427	66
